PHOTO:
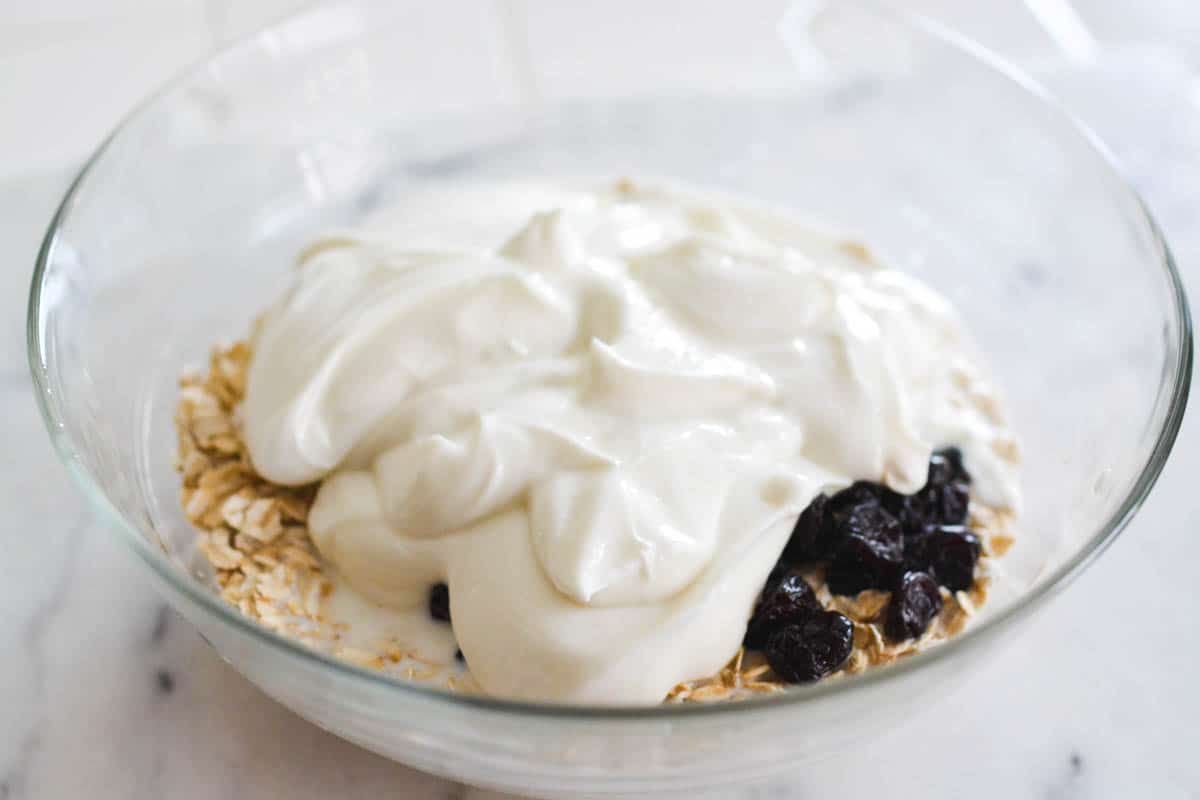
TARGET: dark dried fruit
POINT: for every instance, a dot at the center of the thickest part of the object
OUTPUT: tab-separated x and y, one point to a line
944	498
874	523
947	552
944	504
812	538
811	649
439	602
856	495
915	602
946	466
820	529
870	554
786	598
777	574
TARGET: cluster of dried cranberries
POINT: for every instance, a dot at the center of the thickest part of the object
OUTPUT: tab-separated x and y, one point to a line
868	537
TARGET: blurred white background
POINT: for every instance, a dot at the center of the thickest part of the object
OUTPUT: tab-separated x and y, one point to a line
69	69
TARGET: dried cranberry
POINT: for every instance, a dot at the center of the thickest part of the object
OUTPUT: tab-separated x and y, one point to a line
786	599
915	602
811	649
439	602
871	552
947	552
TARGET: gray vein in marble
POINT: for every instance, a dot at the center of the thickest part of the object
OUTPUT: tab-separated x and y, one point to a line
164	681
163	689
15	776
1067	785
162	619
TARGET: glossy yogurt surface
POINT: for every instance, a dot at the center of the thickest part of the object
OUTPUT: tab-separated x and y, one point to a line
595	411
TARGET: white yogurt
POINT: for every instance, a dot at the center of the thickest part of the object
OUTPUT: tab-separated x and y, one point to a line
596	414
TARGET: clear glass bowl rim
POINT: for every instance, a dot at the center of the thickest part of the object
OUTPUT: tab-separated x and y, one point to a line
794	697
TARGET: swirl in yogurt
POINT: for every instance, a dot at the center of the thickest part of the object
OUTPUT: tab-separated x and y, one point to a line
596	414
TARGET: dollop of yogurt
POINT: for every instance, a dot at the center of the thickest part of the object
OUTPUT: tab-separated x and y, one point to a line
596	412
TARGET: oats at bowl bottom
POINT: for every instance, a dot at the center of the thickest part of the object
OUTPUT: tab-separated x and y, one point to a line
254	536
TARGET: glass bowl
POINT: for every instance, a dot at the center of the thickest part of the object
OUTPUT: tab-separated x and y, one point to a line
186	220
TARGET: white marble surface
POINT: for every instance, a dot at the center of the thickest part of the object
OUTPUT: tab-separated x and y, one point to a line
104	692
69	69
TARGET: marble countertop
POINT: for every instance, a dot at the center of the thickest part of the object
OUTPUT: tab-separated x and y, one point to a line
107	693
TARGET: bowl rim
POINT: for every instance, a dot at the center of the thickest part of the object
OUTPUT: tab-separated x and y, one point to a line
178	579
